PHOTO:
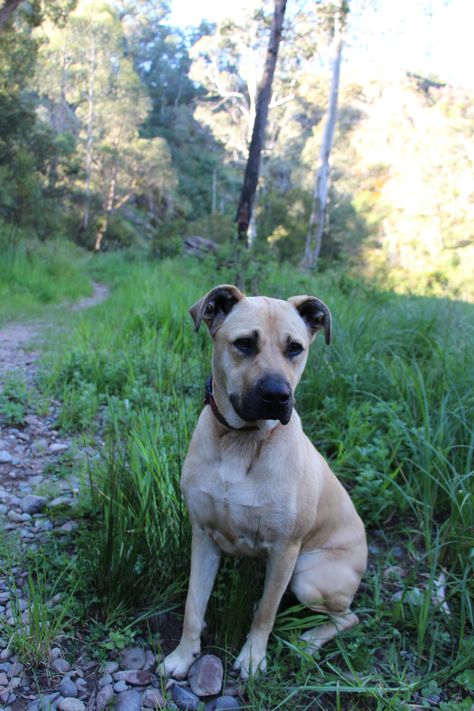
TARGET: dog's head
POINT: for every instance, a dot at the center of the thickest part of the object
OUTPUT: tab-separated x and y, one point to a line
260	349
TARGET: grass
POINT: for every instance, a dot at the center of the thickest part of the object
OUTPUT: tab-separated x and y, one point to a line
390	404
35	274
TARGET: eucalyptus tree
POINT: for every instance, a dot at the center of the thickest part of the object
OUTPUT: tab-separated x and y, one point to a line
317	220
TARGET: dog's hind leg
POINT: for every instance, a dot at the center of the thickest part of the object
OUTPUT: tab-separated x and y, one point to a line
325	581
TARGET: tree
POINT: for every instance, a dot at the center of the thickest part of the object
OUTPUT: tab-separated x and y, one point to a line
7	10
317	219
247	196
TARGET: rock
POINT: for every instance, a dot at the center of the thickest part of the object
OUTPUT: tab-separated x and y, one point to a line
61	666
67	687
40	445
5	457
3	679
129	701
150	659
104	697
71	704
205	675
152	699
59	501
32	504
57	447
111	667
68	527
233	688
226	702
18	517
132	658
120	686
135	677
105	680
184	698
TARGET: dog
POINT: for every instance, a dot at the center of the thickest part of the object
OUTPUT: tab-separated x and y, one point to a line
253	483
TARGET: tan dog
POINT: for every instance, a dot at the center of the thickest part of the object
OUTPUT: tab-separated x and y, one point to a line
255	485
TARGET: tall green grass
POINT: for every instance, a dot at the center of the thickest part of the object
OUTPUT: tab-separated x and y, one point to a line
390	404
35	274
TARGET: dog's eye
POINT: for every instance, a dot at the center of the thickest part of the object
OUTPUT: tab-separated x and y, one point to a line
294	349
245	345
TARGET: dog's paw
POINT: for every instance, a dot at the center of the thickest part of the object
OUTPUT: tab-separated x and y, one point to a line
177	663
251	661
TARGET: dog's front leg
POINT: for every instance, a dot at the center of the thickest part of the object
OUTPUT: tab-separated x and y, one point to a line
205	557
280	568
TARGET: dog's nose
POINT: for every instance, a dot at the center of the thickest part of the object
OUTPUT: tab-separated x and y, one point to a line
274	390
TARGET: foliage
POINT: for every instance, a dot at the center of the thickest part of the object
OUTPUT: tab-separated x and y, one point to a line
14	397
34	274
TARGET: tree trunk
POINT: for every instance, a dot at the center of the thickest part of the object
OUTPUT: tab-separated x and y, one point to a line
247	196
90	134
7	11
109	206
318	216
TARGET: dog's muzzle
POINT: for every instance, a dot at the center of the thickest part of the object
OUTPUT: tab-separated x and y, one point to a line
270	398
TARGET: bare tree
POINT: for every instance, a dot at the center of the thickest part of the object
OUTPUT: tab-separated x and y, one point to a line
249	187
317	220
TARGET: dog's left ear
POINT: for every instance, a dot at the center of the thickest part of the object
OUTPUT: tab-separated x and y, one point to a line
314	313
215	306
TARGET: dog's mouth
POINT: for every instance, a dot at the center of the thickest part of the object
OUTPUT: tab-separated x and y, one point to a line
251	407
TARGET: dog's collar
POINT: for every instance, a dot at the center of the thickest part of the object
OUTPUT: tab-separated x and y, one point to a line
209	400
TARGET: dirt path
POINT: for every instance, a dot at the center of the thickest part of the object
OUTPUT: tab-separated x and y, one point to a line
17	340
37	480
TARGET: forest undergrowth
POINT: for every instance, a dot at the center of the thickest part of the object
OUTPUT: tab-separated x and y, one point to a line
389	404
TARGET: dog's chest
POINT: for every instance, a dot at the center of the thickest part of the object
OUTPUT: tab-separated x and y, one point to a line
241	510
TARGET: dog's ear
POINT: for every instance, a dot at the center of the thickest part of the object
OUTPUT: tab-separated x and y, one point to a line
215	306
314	313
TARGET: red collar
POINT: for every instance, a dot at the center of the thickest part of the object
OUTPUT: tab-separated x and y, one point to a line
209	400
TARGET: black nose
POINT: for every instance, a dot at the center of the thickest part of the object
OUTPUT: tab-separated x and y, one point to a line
274	390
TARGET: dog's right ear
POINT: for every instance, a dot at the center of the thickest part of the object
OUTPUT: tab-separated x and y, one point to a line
215	306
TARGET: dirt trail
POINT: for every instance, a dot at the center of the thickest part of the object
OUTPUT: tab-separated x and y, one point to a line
17	339
37	477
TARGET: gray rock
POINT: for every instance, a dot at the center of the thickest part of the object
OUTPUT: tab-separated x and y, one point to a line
184	698
40	444
129	701
205	675
135	677
111	667
71	704
61	665
120	686
150	659
67	687
104	697
32	504
105	680
5	457
226	702
152	699
132	658
58	447
59	501
233	688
